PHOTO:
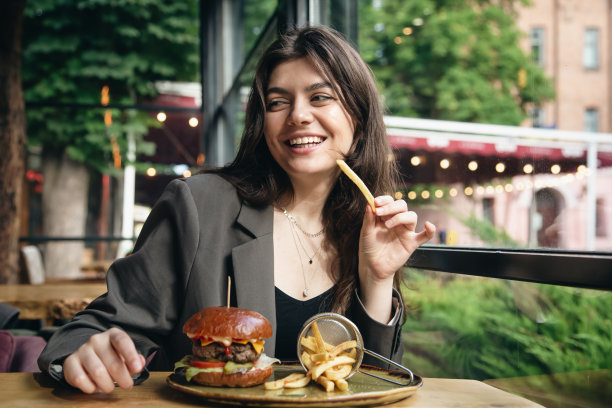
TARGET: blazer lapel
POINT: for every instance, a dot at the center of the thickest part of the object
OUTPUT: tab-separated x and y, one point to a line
253	264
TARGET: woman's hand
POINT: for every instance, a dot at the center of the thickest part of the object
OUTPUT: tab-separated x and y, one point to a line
106	358
386	242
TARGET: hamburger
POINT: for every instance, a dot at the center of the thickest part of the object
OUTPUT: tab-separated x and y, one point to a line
227	348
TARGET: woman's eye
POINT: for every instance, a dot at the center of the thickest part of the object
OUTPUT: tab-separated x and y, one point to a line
274	104
321	98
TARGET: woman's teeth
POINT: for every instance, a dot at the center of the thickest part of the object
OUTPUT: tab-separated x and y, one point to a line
306	141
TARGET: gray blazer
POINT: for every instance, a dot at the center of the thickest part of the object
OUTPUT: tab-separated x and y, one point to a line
198	233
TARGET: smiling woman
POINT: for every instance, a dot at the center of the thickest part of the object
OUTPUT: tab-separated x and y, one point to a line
294	236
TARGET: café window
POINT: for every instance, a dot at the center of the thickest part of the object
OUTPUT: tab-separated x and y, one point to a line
536	39
591	120
590	54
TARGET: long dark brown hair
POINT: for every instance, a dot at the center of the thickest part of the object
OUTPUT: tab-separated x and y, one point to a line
261	181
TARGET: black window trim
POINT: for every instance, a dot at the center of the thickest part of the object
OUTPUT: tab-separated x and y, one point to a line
590	270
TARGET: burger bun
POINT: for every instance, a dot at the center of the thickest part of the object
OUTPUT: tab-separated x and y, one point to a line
248	379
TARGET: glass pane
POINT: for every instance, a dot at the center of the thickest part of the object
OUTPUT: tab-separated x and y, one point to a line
463	97
548	343
591	48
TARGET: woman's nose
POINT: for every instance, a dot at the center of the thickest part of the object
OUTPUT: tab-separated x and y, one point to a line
300	114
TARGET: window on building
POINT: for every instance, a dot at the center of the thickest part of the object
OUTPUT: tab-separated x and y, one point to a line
590	54
591	120
537	45
538	117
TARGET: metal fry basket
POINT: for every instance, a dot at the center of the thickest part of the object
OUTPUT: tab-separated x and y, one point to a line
335	329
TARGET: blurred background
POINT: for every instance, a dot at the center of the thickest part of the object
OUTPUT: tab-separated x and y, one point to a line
499	114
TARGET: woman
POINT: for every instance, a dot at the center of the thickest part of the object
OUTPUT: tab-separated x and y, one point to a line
294	235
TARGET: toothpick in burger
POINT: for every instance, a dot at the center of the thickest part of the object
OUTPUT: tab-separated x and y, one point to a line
227	348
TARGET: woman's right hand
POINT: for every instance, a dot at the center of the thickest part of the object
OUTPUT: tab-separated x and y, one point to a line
105	359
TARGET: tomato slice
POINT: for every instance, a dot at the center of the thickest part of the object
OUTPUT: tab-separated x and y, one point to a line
207	364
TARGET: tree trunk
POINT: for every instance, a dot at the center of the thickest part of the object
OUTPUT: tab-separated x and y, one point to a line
64	206
12	138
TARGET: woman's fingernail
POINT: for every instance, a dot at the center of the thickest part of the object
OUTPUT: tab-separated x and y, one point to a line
389	223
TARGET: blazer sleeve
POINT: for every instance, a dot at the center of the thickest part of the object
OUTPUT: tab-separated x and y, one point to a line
383	339
144	288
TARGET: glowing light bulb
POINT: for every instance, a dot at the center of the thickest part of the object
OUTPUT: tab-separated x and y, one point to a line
500	167
555	169
415	160
528	168
193	122
473	165
161	116
444	163
151	172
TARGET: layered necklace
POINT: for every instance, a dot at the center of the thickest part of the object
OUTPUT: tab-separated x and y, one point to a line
296	239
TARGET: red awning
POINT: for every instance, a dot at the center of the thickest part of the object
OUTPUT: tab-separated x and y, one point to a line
500	149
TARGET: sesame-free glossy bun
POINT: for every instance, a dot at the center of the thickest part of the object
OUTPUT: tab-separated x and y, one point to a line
247	379
232	322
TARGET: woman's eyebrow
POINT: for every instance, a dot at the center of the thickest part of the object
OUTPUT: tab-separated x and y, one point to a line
309	88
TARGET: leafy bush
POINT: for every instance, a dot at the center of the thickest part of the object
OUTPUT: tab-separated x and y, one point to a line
477	328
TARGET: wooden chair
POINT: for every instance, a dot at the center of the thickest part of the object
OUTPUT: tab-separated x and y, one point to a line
33	262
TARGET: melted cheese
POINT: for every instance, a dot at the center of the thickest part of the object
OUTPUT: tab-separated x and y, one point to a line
227	341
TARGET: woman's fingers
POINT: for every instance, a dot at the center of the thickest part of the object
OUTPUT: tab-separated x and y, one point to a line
427	234
107	358
124	346
75	375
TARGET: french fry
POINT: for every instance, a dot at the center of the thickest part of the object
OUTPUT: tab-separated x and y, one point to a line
319	357
310	344
317	370
351	344
278	384
307	360
327	384
341	384
338	372
358	182
318	337
302	382
352	353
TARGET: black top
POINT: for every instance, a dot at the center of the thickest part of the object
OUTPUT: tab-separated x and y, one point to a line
290	317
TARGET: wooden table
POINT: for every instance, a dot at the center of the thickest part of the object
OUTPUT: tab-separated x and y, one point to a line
588	388
48	301
35	390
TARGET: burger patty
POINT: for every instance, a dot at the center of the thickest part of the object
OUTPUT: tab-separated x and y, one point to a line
239	353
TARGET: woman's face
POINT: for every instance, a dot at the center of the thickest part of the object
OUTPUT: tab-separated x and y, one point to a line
305	125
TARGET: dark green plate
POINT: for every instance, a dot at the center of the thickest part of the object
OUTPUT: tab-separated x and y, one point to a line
363	390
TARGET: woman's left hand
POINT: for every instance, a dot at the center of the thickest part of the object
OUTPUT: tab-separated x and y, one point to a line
388	238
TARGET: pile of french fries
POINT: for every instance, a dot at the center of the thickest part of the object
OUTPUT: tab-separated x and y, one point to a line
327	364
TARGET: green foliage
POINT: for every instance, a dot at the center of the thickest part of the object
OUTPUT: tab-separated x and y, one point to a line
451	60
484	328
488	233
74	48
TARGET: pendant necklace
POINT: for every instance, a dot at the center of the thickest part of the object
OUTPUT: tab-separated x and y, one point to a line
294	234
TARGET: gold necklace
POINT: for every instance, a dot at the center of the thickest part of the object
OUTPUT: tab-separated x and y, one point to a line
294	221
305	292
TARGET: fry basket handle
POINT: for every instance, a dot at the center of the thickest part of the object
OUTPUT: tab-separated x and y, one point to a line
386	360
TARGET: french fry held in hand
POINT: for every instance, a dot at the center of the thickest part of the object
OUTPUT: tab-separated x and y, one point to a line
328	365
358	182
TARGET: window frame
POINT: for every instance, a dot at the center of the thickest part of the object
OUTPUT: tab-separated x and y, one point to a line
538	41
591	44
590	270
